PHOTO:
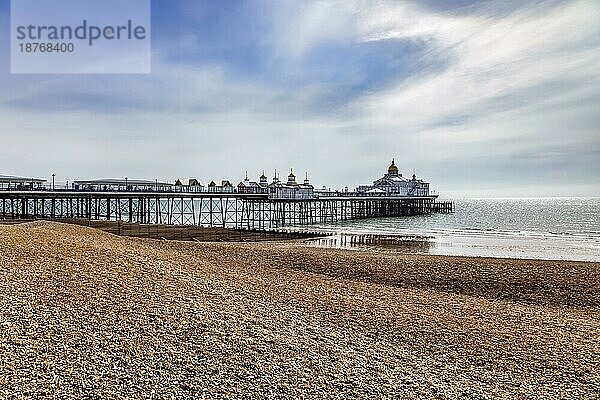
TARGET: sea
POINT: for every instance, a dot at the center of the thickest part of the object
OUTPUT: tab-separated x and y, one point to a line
536	228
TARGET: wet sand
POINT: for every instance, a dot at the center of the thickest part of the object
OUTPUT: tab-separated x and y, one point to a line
84	313
470	244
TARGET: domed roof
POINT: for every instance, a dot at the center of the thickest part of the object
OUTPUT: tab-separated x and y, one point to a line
291	175
392	167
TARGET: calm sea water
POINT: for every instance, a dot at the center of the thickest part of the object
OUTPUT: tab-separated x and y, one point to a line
545	228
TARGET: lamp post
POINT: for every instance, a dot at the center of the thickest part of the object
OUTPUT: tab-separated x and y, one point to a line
156	182
126	186
53	175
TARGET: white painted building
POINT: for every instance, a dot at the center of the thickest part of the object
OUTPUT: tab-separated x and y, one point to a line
394	184
291	189
9	182
220	186
191	185
109	185
248	186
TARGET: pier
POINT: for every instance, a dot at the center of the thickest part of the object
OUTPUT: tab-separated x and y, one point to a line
225	210
250	205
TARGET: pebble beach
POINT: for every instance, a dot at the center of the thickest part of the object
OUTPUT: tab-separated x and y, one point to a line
87	314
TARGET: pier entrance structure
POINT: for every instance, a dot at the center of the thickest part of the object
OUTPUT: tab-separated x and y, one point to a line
9	182
212	209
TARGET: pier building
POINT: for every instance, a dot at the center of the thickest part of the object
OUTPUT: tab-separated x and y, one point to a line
109	185
291	189
394	184
220	186
248	186
10	182
191	185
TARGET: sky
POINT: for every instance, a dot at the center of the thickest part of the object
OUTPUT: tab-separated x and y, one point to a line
480	98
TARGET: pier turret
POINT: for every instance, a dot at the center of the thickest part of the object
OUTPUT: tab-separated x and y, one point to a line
393	169
263	180
291	178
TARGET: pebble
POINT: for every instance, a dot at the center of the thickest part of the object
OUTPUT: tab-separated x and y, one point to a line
86	314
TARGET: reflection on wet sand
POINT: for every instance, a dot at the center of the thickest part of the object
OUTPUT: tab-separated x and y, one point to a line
402	243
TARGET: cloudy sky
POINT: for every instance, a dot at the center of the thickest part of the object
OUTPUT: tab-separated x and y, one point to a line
482	98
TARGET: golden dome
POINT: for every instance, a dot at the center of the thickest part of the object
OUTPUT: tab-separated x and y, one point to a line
393	168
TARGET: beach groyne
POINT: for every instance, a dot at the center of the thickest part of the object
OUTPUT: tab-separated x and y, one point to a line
184	232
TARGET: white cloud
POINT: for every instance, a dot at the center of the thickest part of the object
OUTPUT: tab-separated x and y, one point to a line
301	25
487	58
521	87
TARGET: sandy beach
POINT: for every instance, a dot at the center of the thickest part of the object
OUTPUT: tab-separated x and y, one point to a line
86	314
